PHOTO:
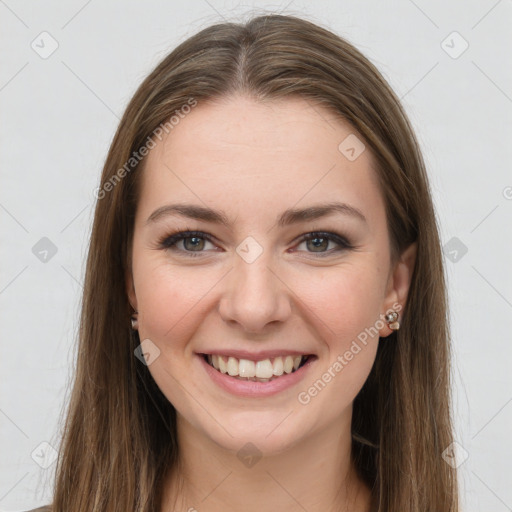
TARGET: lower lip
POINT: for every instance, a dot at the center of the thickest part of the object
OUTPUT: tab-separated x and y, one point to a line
254	389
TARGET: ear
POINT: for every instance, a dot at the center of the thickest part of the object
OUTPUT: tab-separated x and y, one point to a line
129	285
398	285
130	290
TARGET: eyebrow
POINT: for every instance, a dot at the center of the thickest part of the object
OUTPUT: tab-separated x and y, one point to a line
288	217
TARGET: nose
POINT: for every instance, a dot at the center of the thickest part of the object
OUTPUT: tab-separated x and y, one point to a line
255	296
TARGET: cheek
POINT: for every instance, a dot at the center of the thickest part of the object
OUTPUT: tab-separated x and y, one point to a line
173	303
345	300
166	297
170	302
345	306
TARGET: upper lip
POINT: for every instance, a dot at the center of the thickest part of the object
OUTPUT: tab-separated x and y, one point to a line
256	355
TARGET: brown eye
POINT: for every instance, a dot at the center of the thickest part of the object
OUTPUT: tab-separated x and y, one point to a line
317	244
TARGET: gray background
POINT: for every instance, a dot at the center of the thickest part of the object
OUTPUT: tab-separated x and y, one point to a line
59	114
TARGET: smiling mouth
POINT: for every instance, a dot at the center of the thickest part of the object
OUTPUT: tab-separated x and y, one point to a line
265	370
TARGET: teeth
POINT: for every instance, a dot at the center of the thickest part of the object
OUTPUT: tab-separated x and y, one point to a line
288	364
232	366
247	368
278	366
223	367
262	371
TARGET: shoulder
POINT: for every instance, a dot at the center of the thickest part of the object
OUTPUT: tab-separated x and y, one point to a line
41	509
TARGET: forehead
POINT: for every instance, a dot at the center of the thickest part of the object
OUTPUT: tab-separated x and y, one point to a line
255	156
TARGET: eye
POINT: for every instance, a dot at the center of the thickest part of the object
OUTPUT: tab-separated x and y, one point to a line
318	242
191	242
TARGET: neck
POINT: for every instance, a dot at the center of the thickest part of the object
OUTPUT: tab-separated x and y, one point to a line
314	474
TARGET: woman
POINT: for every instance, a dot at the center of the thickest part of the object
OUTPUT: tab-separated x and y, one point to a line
264	322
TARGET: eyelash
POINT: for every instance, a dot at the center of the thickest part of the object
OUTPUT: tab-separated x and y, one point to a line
169	242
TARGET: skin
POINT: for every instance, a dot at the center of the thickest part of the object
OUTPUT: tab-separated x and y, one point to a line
253	160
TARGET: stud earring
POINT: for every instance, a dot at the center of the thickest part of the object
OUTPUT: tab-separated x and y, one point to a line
392	320
134	320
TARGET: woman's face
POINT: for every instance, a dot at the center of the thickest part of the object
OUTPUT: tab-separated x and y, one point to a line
250	292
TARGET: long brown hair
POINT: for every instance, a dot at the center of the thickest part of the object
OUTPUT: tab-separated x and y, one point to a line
119	437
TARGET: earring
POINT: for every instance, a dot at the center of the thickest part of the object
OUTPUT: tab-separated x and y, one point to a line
134	320
392	320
